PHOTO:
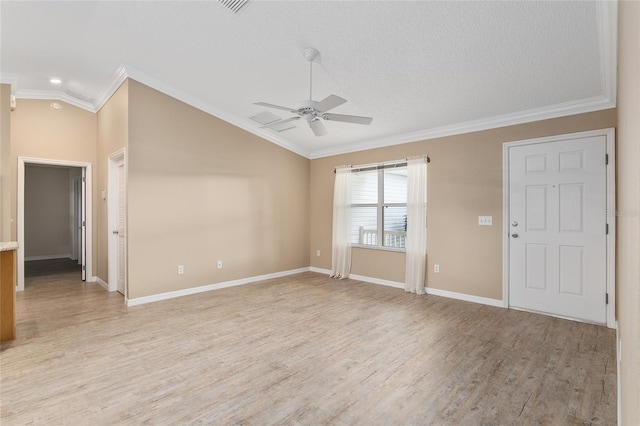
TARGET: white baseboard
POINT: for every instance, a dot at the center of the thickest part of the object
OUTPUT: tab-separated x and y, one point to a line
47	257
189	291
618	378
429	290
378	281
466	297
194	290
102	283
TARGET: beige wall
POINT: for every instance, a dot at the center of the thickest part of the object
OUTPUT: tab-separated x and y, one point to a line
40	132
202	190
47	210
5	164
628	209
464	181
113	134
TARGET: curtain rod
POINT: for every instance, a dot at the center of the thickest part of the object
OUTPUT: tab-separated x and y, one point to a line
385	165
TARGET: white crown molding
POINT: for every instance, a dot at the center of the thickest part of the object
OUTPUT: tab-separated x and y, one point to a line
543	113
55	96
9	79
202	105
607	19
118	77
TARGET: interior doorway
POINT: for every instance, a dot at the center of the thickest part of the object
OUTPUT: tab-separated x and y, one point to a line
76	241
53	220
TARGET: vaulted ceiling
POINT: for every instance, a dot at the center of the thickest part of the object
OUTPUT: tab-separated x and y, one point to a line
421	69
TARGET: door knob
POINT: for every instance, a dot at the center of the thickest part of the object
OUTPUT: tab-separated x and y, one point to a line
514	223
514	235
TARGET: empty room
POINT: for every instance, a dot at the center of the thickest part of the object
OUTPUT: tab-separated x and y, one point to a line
320	212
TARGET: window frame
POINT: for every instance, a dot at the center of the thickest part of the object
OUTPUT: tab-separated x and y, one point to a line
380	206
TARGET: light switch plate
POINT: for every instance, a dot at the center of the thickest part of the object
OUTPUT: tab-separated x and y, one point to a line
485	220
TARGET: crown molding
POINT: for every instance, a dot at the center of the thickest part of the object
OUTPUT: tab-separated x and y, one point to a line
204	106
607	19
57	96
537	114
117	78
9	79
607	13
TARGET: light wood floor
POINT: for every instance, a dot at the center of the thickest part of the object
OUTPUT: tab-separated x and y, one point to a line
298	350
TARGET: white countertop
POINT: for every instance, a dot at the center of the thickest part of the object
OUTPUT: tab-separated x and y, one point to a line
8	245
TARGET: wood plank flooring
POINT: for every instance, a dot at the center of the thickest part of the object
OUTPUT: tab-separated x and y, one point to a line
37	268
302	350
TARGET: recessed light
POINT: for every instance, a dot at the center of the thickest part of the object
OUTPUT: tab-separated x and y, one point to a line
55	80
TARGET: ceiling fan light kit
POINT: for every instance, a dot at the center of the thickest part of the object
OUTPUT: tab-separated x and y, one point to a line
315	112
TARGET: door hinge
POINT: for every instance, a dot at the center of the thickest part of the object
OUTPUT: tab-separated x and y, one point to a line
83	179
606	298
84	268
606	229
84	223
606	159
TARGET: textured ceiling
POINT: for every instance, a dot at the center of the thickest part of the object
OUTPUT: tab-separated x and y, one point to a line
420	69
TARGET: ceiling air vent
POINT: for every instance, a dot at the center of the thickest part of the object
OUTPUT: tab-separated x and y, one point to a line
267	117
233	5
79	96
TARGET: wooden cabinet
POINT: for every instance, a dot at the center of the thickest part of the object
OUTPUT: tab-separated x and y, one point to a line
8	291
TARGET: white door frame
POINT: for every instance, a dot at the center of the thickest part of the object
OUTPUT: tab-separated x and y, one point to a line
120	156
609	135
76	207
22	161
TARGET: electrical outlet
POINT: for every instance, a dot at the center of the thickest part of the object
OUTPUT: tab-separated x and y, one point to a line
436	269
485	220
180	269
318	253
219	264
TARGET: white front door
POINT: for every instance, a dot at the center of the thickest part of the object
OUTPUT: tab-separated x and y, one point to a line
557	226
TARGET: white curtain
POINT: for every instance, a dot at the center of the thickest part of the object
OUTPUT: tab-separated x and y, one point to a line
341	242
416	245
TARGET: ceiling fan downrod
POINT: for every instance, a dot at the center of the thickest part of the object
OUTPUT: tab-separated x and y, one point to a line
310	55
315	112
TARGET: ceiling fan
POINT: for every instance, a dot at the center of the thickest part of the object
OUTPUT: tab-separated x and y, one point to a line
313	111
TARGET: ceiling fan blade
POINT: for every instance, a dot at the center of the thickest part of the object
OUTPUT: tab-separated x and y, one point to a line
264	104
266	126
329	102
356	119
317	127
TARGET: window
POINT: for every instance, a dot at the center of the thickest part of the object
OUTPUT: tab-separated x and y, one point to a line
379	207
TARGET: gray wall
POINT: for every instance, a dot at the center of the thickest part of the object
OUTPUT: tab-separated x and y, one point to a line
47	211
